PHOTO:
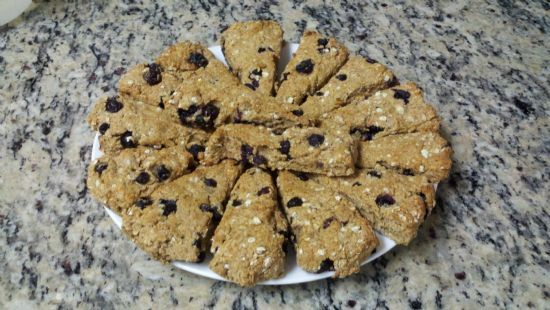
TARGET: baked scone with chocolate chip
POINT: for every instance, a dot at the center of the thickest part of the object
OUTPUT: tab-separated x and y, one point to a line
124	124
359	77
252	50
316	60
418	153
306	149
395	204
120	179
248	243
330	234
176	221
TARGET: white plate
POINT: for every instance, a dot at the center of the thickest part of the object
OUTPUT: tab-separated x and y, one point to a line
293	274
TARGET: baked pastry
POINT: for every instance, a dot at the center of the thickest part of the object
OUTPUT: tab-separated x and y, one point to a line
252	50
248	243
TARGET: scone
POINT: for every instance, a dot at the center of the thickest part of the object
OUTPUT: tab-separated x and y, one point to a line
252	50
315	61
330	234
248	242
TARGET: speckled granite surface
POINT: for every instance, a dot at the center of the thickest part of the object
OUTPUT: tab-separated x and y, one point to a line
485	66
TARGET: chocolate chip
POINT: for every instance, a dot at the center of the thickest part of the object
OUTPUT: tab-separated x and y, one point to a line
246	152
127	140
315	140
341	77
198	59
301	175
385	199
259	160
402	94
153	75
144	202
261	49
328	221
100	167
195	149
356	184
162	173
170	206
322	42
374	174
113	105
319	93
263	191
408	171
294	202
210	182
237	203
305	66
103	128
143	177
298	112
216	216
284	147
366	134
326	265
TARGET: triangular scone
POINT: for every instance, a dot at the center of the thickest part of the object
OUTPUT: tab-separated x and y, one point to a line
125	124
395	204
248	243
419	153
330	234
359	77
120	179
307	149
400	109
316	60
177	220
252	50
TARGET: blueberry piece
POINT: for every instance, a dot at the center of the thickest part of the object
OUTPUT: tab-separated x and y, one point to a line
328	221
263	191
144	202
162	173
100	167
356	184
385	199
302	176
368	133
305	66
113	105
326	265
316	140
322	42
103	128
284	147
298	112
237	203
143	177
246	152
341	77
216	216
261	49
294	202
198	59
259	160
153	75
408	171
161	104
127	140
319	93
401	94
210	182
374	174
195	149
170	206
249	85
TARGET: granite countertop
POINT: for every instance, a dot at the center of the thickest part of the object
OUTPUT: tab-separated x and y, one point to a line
485	67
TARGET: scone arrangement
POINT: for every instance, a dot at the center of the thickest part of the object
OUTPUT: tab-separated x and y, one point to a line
241	163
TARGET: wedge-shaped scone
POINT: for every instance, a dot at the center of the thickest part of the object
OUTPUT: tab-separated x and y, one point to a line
124	124
248	243
359	77
184	57
330	234
177	220
420	153
395	204
252	50
400	109
316	60
120	179
304	149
